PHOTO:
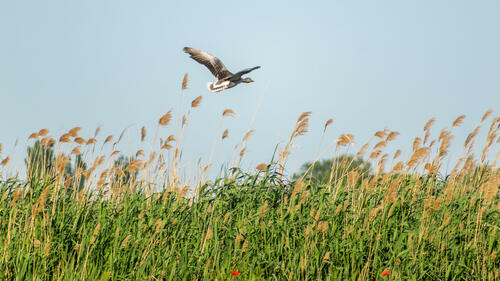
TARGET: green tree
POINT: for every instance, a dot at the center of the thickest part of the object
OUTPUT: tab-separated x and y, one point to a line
77	179
336	168
39	161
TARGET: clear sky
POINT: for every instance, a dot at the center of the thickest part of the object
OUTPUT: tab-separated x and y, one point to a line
369	65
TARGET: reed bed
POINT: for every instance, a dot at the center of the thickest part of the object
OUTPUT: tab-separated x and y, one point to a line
79	214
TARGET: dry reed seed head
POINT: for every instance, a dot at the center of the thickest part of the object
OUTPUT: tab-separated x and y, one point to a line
170	138
165	119
125	241
115	152
486	115
43	132
248	135
363	149
134	165
330	121
429	124
196	102
97	130
184	82
45	141
458	121
5	161
228	112
79	140
33	136
91	141
139	153
96	229
225	134
65	138
184	120
301	128
166	146
143	133
398	167
303	116
416	143
472	135
397	154
261	167
418	155
51	141
108	139
74	132
345	139
380	145
375	154
0	148
392	136
380	134
76	150
242	151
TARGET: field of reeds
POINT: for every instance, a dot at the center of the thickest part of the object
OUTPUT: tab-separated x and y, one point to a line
80	213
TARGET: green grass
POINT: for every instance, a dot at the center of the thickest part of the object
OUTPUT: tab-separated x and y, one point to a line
416	227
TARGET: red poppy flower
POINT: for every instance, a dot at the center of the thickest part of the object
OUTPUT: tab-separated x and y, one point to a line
385	272
235	273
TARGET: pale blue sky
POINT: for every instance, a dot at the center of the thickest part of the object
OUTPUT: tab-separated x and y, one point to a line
367	64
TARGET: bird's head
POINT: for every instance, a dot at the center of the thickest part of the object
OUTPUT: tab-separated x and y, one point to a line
247	80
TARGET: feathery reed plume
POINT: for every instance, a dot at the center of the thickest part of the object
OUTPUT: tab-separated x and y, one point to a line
45	141
108	139
345	139
303	116
76	150
397	154
74	131
65	138
184	82
429	124
0	148
330	121
33	136
43	132
196	102
97	130
458	121
417	156
143	133
121	136
51	141
381	144
165	119
248	135
381	134
261	167
139	152
362	150
91	141
392	136
79	140
228	112
5	161
486	115
225	134
416	143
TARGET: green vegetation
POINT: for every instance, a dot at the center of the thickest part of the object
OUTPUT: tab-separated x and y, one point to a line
81	214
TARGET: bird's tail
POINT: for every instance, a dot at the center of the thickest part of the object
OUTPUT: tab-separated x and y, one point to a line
211	88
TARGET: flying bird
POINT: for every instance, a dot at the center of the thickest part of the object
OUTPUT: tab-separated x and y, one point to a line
225	79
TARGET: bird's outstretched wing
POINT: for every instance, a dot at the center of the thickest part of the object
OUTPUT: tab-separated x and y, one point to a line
238	74
211	62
